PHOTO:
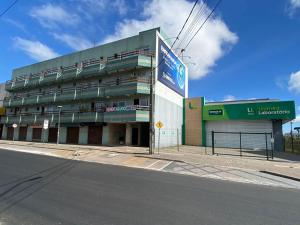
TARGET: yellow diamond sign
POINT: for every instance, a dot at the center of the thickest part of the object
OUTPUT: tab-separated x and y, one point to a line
159	124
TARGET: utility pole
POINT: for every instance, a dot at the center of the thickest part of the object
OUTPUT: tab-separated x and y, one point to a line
151	126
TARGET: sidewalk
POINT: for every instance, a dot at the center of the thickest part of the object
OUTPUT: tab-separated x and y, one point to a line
190	160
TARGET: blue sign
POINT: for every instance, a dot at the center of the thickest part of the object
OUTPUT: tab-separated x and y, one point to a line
170	71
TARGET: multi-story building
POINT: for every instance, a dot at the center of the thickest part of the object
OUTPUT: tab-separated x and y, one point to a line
3	94
100	95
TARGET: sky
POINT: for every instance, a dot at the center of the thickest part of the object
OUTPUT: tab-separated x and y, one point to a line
247	49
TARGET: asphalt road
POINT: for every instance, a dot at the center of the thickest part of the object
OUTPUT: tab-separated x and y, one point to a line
43	190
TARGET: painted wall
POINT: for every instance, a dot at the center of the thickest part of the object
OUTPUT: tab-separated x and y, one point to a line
193	128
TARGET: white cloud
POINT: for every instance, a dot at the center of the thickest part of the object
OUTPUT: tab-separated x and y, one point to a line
297	120
294	82
229	98
209	45
75	42
50	16
35	49
293	6
121	7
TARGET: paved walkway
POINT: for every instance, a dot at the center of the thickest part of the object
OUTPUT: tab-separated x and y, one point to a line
189	160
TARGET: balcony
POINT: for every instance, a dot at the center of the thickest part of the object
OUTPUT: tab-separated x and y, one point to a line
82	70
111	114
127	87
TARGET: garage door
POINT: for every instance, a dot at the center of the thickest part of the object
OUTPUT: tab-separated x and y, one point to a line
52	136
22	133
72	135
249	141
10	133
36	134
95	135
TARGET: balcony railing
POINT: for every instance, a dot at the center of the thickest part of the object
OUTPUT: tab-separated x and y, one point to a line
84	69
109	114
122	87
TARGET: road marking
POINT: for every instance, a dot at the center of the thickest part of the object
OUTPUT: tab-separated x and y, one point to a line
152	164
165	165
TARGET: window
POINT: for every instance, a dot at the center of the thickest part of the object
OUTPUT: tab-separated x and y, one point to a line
58	87
74	84
136	101
93	106
144	102
116	55
114	104
26	109
100	81
38	108
118	81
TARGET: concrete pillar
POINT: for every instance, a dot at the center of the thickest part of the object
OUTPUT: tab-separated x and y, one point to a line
83	135
278	135
128	134
29	134
16	133
4	132
45	135
63	135
105	135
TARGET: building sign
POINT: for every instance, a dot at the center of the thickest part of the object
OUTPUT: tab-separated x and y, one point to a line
215	112
284	110
170	70
121	108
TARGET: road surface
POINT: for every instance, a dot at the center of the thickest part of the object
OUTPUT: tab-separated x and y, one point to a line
43	190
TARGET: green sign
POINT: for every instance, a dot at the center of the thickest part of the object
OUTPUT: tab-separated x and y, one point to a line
215	112
284	110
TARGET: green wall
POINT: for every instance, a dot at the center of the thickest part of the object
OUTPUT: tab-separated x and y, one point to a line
284	110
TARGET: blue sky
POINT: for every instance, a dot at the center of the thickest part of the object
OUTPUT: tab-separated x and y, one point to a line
249	49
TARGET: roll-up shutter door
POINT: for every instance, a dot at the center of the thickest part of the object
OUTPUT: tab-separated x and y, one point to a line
249	141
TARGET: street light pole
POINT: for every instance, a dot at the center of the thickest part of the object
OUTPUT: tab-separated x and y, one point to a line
292	136
151	110
58	126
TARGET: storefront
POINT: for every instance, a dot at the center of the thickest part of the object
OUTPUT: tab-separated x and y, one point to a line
259	121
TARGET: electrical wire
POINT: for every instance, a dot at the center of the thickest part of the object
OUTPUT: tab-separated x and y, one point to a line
8	8
212	11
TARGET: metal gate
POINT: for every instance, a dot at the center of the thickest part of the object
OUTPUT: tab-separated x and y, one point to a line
36	134
52	136
10	133
242	144
22	133
72	135
95	135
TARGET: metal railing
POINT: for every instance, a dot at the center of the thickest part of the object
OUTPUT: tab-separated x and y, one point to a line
80	88
86	63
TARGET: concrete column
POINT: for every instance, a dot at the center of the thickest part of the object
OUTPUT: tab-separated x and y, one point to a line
63	135
128	134
4	132
278	135
16	133
105	135
83	135
29	134
45	134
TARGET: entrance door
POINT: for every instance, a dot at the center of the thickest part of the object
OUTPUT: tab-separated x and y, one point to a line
22	133
52	137
72	135
36	134
95	135
10	133
134	136
145	134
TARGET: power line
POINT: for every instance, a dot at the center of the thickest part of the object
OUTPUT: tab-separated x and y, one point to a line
185	22
9	7
212	11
